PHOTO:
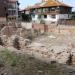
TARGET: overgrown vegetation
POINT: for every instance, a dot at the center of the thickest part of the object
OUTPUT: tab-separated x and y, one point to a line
26	17
19	64
69	61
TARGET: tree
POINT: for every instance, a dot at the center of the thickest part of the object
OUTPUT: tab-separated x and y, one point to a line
26	17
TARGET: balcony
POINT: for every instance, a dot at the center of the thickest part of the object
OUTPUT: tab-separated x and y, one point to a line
12	5
46	12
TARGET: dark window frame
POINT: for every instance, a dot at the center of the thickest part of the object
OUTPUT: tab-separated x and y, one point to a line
53	16
45	16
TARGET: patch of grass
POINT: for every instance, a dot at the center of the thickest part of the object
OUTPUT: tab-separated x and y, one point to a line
8	57
20	64
1	63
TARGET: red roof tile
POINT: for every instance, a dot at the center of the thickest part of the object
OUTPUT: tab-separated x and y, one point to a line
48	3
54	3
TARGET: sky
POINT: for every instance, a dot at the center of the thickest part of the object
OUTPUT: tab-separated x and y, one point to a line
25	3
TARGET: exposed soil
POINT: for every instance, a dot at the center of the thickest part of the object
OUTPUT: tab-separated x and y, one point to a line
12	63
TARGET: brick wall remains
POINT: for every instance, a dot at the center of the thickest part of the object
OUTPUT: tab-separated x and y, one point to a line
62	29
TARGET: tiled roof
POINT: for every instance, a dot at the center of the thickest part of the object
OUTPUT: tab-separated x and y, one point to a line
30	7
54	3
48	3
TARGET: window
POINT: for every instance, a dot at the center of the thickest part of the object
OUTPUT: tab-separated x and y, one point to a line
5	8
33	16
52	9
45	10
39	10
45	16
58	8
53	16
9	12
39	16
14	12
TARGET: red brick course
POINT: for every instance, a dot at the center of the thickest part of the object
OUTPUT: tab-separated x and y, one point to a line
62	29
38	27
43	27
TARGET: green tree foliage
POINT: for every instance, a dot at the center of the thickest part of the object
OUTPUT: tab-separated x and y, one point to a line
26	17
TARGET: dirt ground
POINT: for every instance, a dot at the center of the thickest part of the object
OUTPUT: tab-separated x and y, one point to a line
53	47
16	63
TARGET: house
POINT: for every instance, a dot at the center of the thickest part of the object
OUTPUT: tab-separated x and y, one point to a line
13	8
9	9
73	15
49	11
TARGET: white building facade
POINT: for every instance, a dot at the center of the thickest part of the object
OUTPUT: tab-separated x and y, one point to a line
50	18
50	11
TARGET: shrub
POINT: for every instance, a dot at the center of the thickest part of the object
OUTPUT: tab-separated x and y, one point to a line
1	42
30	37
16	43
14	62
42	22
1	63
69	61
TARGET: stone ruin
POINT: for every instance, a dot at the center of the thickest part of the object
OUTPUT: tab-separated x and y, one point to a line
20	38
